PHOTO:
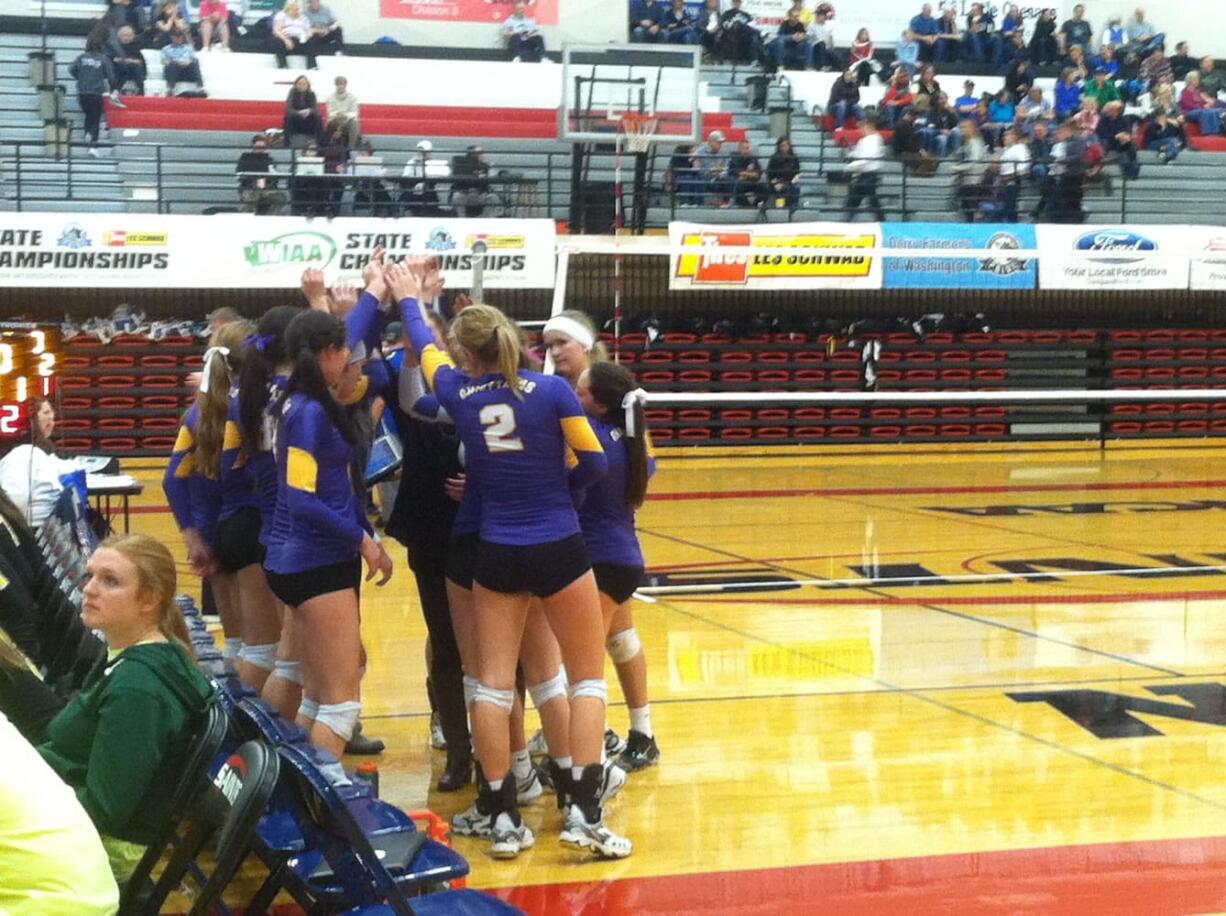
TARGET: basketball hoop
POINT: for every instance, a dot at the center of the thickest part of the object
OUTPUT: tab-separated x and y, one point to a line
638	130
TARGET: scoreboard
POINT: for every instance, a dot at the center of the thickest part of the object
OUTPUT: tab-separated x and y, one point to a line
29	358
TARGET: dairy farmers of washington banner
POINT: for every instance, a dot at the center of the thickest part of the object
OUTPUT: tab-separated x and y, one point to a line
262	252
988	264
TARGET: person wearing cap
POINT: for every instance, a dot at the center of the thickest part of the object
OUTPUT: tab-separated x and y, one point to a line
966	103
343	107
179	64
712	161
418	192
523	35
1101	88
471	184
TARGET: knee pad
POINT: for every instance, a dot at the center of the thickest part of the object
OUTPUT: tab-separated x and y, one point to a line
595	688
548	690
232	648
288	671
503	699
262	657
624	646
470	690
342	718
308	709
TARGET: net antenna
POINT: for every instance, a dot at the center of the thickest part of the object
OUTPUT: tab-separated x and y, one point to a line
477	292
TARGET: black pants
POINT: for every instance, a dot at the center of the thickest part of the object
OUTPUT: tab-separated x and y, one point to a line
323	44
91	105
530	49
174	74
864	187
446	674
277	46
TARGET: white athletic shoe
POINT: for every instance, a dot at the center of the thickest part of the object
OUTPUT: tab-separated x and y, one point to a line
611	782
537	745
471	822
529	788
596	838
508	839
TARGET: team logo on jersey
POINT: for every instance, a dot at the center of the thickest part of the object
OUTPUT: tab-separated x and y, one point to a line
307	249
74	236
440	240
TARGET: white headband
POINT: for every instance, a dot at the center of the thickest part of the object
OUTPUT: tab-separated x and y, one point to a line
573	329
628	402
209	354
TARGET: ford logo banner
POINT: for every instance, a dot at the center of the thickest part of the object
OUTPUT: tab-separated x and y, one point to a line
1117	242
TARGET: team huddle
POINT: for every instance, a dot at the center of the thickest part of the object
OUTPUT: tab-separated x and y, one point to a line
516	503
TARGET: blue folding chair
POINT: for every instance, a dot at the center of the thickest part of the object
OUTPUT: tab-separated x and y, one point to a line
448	903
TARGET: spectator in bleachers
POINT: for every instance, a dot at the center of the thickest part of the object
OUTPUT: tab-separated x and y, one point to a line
968	170
1164	136
1040	151
994	195
336	152
1107	60
645	21
965	104
309	191
680	28
179	63
905	140
940	132
928	84
302	120
1044	46
711	160
1087	117
470	183
685	178
1182	63
1068	94
370	194
95	76
1013	25
982	42
259	194
326	35
127	60
862	60
897	99
927	30
523	35
709	28
1034	109
1128	77
1163	99
821	37
907	54
1117	134
1200	106
1114	35
1076	32
1002	112
343	106
1019	79
1015	166
1210	80
844	99
1078	63
418	186
214	23
738	40
783	174
1101	89
864	165
123	12
123	741
1142	36
169	18
790	49
949	38
1013	51
1156	69
745	176
1068	170
803	13
291	33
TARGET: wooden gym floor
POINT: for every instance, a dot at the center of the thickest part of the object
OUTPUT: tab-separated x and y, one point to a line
1010	701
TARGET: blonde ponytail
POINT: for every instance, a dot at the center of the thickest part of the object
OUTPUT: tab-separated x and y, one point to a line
491	337
213	399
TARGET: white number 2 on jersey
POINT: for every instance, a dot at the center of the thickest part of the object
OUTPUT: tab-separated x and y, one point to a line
499	423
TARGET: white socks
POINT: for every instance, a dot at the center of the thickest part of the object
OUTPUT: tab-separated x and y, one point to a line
521	764
495	784
640	720
564	763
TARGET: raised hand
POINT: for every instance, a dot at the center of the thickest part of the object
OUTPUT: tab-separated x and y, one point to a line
344	298
314	289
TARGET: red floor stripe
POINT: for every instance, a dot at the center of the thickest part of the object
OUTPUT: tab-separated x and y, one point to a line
1165	876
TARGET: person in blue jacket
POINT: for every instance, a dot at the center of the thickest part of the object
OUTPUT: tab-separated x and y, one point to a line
647	21
320	532
526	442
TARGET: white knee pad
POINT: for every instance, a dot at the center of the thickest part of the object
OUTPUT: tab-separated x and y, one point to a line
470	690
503	699
232	648
288	671
548	690
624	646
308	709
342	718
262	657
596	689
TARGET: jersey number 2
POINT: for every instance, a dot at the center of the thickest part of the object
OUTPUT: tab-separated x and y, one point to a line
499	423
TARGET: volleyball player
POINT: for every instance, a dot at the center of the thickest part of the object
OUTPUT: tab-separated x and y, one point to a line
516	427
606	515
570	338
265	372
191	481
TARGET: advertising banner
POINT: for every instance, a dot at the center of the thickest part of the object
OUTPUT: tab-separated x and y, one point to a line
1114	257
991	267
1209	269
545	12
263	252
708	268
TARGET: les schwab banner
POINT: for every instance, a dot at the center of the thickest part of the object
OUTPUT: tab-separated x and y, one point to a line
710	268
545	12
258	252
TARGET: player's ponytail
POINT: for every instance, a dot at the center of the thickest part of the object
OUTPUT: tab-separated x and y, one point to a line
612	387
263	352
308	335
222	361
491	337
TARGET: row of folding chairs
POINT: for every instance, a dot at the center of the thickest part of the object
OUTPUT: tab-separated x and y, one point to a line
256	789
